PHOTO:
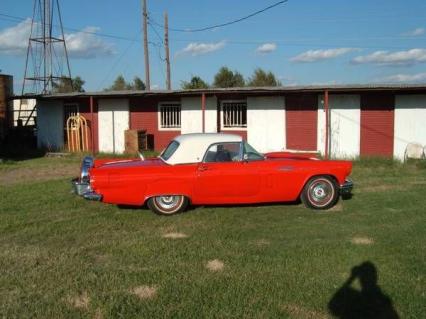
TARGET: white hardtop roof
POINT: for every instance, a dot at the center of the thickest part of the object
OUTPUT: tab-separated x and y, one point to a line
192	147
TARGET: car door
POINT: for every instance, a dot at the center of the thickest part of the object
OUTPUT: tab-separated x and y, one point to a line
224	178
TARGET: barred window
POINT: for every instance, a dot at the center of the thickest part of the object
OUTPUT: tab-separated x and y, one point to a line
234	114
170	115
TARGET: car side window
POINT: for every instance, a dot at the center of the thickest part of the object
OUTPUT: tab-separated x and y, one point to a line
250	154
223	152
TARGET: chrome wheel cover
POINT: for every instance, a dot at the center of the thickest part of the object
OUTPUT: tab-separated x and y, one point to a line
321	192
168	204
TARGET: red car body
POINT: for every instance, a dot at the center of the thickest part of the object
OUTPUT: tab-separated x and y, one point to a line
276	177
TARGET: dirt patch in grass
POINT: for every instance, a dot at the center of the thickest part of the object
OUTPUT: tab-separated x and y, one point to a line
337	208
295	311
215	265
262	242
98	314
362	241
80	302
175	235
421	182
144	292
379	188
37	174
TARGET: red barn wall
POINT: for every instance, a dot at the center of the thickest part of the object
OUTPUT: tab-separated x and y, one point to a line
377	124
144	116
301	121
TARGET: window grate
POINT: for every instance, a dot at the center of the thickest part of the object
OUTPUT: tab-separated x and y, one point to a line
234	114
170	115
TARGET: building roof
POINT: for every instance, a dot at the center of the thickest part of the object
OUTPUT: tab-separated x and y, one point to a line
241	90
192	147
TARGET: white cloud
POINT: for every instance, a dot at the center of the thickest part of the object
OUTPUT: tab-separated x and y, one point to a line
408	57
14	40
319	55
195	48
405	78
85	44
416	32
266	48
82	44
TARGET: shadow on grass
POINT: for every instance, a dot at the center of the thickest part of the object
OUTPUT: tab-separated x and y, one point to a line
194	207
369	302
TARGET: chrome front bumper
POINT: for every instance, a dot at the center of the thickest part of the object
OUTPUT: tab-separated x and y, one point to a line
347	187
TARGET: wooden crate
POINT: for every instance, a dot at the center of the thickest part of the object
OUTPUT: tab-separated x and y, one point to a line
135	141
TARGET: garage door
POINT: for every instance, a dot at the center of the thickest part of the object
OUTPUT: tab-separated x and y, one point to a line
377	124
301	121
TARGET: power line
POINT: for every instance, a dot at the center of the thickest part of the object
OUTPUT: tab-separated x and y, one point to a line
223	24
8	17
287	42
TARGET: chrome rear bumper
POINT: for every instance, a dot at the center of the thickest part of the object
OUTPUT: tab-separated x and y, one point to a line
83	189
347	187
80	188
81	185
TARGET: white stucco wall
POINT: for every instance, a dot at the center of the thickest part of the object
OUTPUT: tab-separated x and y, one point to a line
191	115
50	125
345	119
410	122
266	123
113	118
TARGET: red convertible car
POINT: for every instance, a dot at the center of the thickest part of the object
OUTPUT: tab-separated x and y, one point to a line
212	169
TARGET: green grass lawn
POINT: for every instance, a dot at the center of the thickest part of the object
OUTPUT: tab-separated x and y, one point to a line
64	257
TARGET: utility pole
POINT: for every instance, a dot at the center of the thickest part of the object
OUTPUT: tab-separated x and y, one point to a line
145	46
166	47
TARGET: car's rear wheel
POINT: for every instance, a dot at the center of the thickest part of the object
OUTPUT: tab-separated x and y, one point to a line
167	204
320	192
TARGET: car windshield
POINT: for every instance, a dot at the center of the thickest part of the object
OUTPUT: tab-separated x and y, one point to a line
169	150
250	154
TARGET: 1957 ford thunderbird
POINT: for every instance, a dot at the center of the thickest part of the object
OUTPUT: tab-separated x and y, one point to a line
214	169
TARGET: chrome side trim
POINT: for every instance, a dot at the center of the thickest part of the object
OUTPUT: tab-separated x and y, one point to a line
286	168
347	187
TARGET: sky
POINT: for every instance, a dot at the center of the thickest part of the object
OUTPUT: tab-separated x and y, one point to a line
303	42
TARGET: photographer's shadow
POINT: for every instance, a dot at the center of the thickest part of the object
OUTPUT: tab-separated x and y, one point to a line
368	302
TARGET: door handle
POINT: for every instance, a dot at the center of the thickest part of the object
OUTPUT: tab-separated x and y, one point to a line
203	168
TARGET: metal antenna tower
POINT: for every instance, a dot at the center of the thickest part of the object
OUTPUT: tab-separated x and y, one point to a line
47	66
47	62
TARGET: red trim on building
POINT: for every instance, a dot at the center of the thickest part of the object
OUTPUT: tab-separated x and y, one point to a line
144	116
377	124
301	121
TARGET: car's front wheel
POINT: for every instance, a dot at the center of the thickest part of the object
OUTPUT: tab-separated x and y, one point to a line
320	192
168	204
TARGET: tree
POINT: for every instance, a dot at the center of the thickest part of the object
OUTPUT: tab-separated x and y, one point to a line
77	84
138	84
120	84
225	78
263	78
195	83
64	85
